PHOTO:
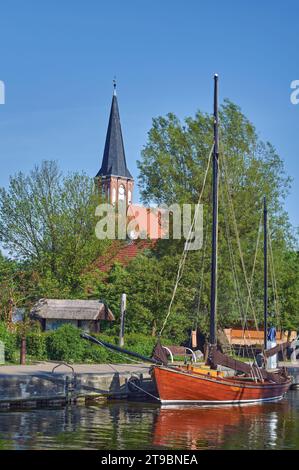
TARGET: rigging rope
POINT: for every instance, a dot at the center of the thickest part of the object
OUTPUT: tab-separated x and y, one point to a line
248	284
239	242
202	275
234	267
254	261
273	277
252	279
242	311
187	244
275	290
144	391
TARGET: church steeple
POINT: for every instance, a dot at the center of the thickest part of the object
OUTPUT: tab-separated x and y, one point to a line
114	159
114	177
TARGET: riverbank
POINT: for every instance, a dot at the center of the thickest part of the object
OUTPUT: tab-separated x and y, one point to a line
49	383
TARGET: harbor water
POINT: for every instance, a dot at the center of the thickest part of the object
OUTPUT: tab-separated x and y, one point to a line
125	425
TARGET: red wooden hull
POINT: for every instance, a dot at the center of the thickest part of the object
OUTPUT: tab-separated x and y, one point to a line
179	386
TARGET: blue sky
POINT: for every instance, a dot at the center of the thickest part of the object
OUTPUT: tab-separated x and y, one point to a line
58	59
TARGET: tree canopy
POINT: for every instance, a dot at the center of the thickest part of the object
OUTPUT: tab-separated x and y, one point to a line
47	224
172	168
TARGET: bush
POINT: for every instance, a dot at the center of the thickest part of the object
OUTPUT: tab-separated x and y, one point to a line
140	343
97	354
109	356
65	344
136	342
36	345
10	342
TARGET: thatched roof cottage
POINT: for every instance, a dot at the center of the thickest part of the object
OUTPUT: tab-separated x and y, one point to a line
85	314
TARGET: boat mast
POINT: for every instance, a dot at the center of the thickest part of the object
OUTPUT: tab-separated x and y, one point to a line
213	339
265	274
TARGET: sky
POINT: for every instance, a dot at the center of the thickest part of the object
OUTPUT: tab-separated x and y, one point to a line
58	60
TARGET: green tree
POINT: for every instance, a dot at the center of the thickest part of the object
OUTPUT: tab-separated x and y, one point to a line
47	221
172	167
10	296
288	291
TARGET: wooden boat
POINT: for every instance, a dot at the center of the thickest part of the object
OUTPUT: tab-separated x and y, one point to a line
182	385
190	385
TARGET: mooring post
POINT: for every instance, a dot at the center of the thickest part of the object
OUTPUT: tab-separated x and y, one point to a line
194	339
23	351
123	306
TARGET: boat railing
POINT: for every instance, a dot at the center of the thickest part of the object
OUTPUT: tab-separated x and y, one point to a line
179	351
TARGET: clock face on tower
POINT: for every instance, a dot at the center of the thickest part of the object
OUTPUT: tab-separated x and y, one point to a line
121	193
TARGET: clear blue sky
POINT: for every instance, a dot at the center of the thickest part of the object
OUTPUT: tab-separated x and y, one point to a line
58	59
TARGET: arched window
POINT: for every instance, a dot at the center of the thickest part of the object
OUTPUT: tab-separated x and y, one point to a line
113	196
121	193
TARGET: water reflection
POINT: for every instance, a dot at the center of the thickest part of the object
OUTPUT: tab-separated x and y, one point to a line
140	426
200	428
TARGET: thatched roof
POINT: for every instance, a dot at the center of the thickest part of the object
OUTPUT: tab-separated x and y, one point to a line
61	309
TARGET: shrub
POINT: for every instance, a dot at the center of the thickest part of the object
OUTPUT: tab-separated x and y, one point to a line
140	343
136	342
109	355
65	344
36	345
10	342
94	353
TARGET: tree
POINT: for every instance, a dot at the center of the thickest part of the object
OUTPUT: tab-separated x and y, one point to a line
48	221
10	295
172	167
288	291
148	283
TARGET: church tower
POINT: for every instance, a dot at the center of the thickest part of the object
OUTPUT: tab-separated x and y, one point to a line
114	178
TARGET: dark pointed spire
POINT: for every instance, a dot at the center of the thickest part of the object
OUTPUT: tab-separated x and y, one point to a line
114	159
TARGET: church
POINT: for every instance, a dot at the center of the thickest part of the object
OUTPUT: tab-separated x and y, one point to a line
114	179
116	183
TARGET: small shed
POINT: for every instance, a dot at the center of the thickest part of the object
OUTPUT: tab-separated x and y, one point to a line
85	314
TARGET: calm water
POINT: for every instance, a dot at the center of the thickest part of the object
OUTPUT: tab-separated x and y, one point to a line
139	426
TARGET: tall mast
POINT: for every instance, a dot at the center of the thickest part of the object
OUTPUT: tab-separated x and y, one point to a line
265	274
213	339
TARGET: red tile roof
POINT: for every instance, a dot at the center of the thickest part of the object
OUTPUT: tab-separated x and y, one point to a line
122	252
